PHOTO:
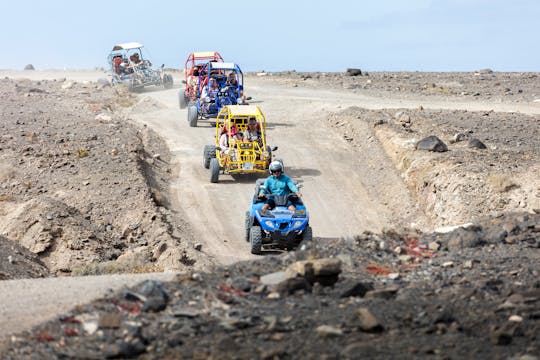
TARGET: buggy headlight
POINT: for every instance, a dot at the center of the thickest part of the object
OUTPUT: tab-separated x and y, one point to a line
269	224
297	224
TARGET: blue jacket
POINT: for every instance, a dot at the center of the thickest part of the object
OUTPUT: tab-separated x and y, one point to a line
282	185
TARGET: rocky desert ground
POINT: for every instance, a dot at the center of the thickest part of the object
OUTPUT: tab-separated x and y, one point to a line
424	190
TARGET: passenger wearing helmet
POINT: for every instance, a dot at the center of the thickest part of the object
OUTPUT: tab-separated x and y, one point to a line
278	184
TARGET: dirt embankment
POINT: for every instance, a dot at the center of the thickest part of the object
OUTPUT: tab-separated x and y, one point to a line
81	187
468	180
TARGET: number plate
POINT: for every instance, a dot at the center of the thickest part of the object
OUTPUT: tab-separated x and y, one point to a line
247	166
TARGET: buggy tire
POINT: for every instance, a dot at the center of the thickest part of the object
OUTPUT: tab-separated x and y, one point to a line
255	239
208	154
247	225
192	115
182	100
167	81
214	170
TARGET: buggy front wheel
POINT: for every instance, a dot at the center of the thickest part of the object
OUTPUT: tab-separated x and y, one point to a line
214	170
208	153
192	115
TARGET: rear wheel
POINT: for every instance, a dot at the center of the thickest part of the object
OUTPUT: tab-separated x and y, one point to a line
255	239
182	101
214	170
167	81
208	154
192	115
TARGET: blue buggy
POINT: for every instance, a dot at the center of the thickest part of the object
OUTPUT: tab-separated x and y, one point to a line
279	228
229	88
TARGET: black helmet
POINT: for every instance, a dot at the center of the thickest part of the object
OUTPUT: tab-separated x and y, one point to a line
275	166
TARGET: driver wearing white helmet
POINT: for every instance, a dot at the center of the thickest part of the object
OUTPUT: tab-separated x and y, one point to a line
278	184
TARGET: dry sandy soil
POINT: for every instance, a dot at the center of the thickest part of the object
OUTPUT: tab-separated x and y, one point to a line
99	181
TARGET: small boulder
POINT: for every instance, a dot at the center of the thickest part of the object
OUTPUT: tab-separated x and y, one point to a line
29	67
386	293
67	85
323	271
353	72
283	282
476	144
104	118
464	238
155	295
109	321
367	321
358	290
327	331
431	143
484	71
459	137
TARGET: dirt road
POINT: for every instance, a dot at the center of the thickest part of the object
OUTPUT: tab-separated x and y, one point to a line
346	191
340	197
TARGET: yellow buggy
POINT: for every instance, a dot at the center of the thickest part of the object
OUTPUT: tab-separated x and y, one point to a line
232	154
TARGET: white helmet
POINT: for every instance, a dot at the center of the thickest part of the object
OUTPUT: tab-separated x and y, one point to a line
275	166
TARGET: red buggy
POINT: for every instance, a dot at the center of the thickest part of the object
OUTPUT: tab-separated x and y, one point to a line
194	62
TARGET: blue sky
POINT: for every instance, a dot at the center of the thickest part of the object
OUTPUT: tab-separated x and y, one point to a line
274	35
